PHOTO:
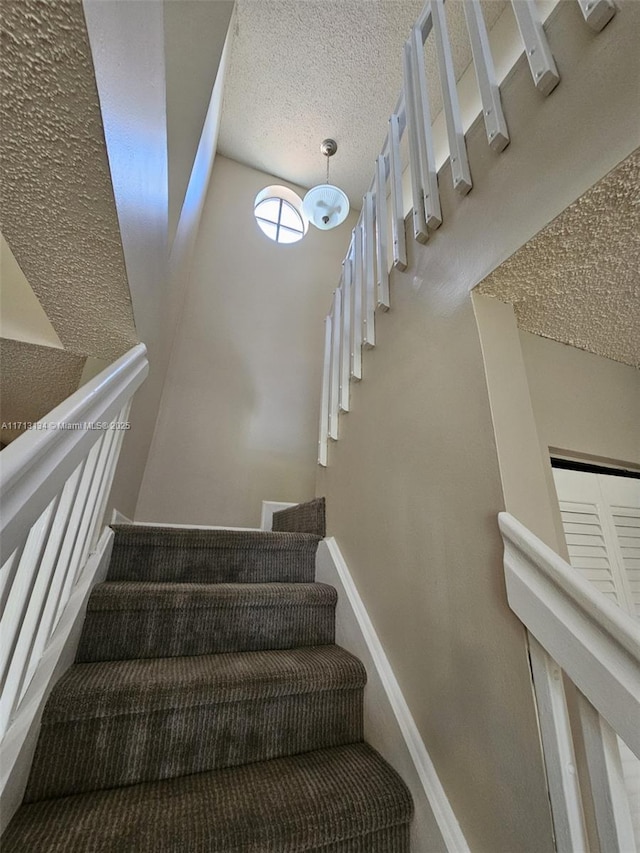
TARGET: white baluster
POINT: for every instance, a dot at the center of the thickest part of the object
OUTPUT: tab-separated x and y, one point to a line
382	257
597	13
16	609
397	204
420	230
369	263
81	551
610	802
334	392
8	573
324	400
22	661
494	120
560	761
356	349
71	543
345	361
61	529
455	132
429	174
543	67
110	470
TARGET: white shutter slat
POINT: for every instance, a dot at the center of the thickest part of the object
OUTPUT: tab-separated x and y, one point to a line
587	546
626	521
585	539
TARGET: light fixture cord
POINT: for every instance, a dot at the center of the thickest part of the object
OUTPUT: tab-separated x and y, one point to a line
328	158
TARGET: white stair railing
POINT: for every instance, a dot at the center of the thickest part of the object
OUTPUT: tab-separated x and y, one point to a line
577	631
367	285
55	481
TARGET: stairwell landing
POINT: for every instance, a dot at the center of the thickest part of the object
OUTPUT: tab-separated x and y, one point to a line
210	710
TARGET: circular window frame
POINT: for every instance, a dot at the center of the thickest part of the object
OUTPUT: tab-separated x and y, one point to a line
292	200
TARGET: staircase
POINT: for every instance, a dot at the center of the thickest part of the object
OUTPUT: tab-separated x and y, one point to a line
209	710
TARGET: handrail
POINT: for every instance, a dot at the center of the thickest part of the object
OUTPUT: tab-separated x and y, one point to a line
55	482
33	466
593	641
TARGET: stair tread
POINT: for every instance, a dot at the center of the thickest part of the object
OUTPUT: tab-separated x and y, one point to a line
295	804
152	595
185	537
111	688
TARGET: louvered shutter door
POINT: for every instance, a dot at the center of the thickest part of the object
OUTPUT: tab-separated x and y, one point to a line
622	499
601	520
585	530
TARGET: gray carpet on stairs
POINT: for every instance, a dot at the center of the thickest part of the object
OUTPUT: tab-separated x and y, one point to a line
237	708
141	620
336	799
209	710
308	517
211	556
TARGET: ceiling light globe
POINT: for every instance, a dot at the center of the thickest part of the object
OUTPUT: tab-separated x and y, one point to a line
325	206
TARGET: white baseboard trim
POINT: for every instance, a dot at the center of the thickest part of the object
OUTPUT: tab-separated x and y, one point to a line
118	518
389	725
268	508
19	743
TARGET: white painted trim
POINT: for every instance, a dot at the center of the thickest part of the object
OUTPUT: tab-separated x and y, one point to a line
268	508
118	518
389	725
19	743
37	464
593	640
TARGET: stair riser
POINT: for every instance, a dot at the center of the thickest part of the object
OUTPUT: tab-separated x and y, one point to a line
130	634
205	565
179	742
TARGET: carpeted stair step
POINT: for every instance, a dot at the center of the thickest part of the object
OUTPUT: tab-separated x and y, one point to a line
191	555
340	800
128	620
118	723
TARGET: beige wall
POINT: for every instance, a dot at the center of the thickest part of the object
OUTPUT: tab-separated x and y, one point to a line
414	484
136	54
239	411
584	404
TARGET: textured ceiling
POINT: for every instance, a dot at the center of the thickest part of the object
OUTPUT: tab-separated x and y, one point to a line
578	280
57	208
302	70
34	380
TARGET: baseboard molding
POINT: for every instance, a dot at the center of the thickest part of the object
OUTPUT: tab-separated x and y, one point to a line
268	508
389	725
118	518
19	743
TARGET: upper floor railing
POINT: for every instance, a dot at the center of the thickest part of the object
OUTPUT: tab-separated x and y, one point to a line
55	481
364	283
576	630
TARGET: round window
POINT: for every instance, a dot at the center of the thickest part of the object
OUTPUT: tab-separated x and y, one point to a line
278	212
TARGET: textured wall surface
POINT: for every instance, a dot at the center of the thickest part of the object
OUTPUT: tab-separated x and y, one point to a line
58	212
578	280
34	379
303	71
22	317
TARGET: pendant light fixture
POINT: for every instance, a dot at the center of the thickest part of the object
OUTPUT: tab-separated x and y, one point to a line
326	206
